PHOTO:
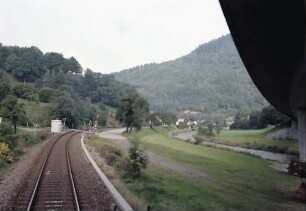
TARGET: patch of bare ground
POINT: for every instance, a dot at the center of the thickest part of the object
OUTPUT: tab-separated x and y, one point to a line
114	177
12	180
297	198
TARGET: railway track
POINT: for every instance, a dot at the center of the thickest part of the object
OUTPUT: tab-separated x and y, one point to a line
63	179
54	186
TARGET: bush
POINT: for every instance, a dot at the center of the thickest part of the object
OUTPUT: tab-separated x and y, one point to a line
138	160
6	153
25	91
102	120
42	135
11	140
5	129
198	140
206	131
46	94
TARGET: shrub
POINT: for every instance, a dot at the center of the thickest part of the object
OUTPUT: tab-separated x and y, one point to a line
42	135
25	91
6	153
46	94
198	140
207	131
6	129
138	160
102	120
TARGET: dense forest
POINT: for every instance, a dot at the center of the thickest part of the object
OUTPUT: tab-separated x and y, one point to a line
50	78
211	79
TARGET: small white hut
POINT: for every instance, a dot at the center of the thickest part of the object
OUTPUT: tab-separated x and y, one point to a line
56	126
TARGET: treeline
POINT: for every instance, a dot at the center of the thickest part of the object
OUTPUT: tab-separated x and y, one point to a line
30	64
62	103
62	82
260	119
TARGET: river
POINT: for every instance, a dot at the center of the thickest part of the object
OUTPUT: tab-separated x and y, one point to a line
278	157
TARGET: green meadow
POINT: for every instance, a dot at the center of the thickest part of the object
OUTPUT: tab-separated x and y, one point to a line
234	181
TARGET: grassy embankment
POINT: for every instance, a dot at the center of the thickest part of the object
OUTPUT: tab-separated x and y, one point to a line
234	182
22	140
3	165
35	111
254	139
18	143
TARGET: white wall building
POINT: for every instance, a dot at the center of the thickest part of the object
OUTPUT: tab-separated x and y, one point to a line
56	126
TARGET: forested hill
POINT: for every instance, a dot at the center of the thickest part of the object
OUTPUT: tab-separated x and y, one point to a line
70	92
210	79
52	70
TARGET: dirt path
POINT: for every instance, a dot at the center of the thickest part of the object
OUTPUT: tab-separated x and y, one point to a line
123	143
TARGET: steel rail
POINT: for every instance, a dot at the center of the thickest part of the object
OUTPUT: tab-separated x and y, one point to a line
30	204
71	175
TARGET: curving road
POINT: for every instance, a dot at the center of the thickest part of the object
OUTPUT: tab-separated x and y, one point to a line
116	136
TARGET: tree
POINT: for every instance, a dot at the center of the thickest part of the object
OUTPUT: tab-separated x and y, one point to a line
218	129
12	110
30	65
72	65
25	91
46	94
65	107
4	87
54	61
241	121
4	53
256	120
273	117
102	119
5	129
132	110
154	119
210	128
11	63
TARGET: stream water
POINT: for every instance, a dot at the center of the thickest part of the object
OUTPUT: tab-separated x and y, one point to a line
278	157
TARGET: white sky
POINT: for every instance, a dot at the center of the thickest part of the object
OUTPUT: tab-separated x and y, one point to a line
111	35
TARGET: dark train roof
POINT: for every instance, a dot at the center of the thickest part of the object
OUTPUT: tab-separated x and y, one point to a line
270	38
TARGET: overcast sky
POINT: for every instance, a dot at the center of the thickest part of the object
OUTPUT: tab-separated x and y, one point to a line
111	35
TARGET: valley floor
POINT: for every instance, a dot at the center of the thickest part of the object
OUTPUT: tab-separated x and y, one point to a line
232	181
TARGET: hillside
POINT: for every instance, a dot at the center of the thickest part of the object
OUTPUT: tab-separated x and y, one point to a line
52	86
210	79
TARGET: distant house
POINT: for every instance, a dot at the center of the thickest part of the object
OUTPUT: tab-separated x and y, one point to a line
179	121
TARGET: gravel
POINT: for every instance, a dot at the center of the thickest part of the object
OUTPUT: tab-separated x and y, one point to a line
91	191
11	182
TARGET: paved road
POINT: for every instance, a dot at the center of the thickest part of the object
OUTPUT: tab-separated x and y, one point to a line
122	142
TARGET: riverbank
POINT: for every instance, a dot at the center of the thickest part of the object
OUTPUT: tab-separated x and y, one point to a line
246	139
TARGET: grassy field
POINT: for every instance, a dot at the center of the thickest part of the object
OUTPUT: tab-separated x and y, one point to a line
234	182
255	139
36	111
